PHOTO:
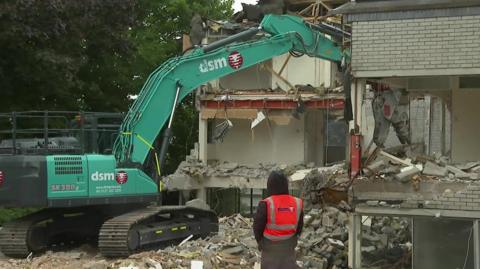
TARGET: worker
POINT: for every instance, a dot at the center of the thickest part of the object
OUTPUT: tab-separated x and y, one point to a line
277	224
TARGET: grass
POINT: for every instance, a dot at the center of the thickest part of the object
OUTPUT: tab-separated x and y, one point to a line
8	214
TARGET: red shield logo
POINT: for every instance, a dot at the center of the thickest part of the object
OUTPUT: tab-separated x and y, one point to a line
235	60
1	178
122	177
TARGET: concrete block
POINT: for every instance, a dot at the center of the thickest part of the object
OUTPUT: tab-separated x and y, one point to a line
434	170
458	172
407	174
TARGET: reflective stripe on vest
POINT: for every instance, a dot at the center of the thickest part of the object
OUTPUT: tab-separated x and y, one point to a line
272	227
278	237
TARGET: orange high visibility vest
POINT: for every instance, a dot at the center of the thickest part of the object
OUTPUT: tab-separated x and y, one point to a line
283	213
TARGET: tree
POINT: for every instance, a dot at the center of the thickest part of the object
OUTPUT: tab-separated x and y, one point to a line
157	38
62	54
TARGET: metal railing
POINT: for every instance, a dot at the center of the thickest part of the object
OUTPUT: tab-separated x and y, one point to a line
58	132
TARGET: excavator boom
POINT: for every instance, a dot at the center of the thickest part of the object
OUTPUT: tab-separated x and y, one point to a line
176	78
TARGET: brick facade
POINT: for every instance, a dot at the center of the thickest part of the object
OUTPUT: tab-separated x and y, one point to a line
416	46
467	199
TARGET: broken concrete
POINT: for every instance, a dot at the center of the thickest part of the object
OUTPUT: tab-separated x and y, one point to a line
197	169
433	169
407	175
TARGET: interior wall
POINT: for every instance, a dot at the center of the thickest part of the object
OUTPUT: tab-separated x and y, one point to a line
252	78
465	125
302	71
262	144
299	71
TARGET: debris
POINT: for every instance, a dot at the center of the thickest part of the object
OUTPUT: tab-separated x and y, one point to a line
222	129
29	257
198	203
195	168
395	159
434	170
101	264
152	264
374	167
467	166
196	265
185	240
129	267
260	117
406	175
335	242
233	250
323	244
458	172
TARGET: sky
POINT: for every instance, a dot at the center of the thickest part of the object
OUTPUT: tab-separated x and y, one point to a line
237	4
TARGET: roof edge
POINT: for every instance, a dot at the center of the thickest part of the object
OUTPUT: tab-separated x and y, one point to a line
405	5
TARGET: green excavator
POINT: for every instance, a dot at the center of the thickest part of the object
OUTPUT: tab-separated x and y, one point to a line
115	198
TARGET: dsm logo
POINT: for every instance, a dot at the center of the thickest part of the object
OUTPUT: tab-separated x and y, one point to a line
235	60
97	176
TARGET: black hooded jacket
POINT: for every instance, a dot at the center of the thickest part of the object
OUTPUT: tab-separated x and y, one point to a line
277	184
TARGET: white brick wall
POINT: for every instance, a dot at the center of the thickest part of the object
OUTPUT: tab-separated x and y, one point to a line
413	45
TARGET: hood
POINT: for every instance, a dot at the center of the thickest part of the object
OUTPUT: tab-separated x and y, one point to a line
277	183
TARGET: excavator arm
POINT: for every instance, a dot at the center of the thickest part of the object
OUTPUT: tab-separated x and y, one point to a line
170	83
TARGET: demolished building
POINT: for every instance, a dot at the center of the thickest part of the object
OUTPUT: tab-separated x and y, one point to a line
430	50
283	114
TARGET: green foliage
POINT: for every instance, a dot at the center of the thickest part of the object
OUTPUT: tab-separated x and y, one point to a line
62	54
157	33
7	214
89	54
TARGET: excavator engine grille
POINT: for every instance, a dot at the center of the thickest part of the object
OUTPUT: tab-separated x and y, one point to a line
68	165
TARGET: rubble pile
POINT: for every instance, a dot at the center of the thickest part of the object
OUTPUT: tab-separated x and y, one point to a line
325	185
194	168
416	167
83	257
324	242
386	242
233	247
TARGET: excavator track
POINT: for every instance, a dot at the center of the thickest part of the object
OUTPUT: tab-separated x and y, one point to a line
13	239
147	227
35	232
19	238
114	235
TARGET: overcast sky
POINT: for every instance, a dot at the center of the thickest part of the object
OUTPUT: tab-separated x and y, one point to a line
237	5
